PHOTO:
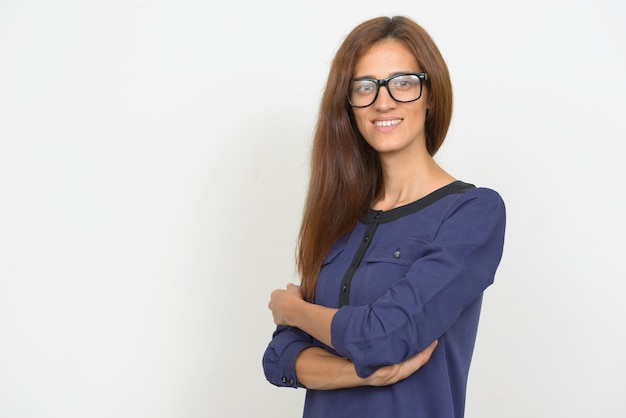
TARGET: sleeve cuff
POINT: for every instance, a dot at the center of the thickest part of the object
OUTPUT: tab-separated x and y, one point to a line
279	363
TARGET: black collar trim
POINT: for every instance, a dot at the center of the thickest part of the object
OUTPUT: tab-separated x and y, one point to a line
379	216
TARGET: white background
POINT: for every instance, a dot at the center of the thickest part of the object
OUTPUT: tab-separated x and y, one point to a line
153	163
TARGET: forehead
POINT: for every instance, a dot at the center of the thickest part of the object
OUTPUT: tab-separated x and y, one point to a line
385	58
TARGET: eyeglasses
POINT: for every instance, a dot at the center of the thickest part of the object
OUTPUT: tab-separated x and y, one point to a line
402	88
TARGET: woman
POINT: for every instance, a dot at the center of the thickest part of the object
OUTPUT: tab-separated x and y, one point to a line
394	252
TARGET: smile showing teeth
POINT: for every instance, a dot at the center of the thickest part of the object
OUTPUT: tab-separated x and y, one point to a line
387	122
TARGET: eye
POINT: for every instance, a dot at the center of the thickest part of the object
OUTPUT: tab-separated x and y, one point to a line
404	82
363	87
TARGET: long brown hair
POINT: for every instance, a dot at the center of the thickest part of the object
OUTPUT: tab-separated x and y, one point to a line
346	174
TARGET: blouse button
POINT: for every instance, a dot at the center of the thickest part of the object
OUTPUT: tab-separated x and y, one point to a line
396	254
367	238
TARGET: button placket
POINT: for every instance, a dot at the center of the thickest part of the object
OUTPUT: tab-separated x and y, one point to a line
344	293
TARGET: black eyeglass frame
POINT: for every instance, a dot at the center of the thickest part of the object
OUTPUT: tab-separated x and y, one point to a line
385	83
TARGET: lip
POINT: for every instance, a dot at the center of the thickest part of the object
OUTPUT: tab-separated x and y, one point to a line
386	124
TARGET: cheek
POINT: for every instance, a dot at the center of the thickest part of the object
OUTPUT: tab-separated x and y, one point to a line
361	122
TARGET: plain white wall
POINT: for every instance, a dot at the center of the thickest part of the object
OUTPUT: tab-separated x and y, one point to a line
153	162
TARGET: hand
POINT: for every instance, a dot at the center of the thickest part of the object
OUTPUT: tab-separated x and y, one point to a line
388	375
282	300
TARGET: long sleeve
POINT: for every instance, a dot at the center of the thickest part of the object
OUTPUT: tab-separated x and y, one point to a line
280	356
451	271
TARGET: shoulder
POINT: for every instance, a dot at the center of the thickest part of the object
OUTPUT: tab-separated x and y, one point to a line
474	202
478	206
463	191
485	195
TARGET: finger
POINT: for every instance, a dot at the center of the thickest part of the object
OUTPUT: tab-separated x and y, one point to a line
432	346
421	358
424	355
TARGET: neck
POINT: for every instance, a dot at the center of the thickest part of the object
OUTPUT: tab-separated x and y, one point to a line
409	177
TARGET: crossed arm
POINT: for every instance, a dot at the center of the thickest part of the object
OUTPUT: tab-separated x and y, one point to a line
316	368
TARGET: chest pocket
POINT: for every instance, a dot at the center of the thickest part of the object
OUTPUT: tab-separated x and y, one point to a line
383	265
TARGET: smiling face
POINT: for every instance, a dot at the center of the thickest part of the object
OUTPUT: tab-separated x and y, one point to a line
389	126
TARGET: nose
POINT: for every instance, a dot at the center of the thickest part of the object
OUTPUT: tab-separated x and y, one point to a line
384	99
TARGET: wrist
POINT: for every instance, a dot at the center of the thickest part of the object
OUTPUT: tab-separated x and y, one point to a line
293	313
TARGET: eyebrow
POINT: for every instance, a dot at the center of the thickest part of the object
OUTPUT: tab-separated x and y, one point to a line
371	77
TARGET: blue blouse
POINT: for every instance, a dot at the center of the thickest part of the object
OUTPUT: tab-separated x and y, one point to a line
401	279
